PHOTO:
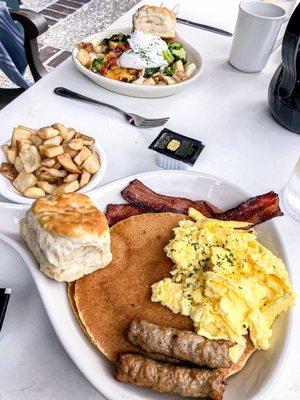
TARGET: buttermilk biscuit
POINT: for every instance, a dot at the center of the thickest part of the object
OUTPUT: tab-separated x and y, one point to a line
68	236
155	20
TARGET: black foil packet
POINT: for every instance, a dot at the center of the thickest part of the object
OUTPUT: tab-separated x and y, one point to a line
177	146
4	297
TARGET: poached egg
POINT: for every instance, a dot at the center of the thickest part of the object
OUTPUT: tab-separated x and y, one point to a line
145	52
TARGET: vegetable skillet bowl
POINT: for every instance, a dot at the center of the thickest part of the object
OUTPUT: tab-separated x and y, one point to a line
137	64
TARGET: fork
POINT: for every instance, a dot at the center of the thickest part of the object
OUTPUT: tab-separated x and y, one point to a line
133	119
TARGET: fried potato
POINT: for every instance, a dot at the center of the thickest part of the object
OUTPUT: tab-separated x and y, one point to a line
180	76
55	141
10	153
36	140
149	82
63	131
83	57
24	181
45	176
8	170
31	130
82	156
57	165
18	164
179	66
46	186
71	178
168	79
189	69
85	178
20	143
47	132
20	134
92	163
66	188
48	162
76	144
53	151
57	173
67	162
30	157
87	140
4	148
53	159
34	193
67	149
70	135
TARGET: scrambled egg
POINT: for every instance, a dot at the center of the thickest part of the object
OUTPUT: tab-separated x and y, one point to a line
226	281
119	73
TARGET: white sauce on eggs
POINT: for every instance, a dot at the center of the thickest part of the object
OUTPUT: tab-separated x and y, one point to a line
146	51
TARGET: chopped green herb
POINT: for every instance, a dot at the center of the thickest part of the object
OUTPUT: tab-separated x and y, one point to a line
150	71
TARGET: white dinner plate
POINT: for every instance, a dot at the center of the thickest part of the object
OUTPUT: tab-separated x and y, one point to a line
262	370
134	90
10	192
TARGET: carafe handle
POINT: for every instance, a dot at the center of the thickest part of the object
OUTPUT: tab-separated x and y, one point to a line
290	47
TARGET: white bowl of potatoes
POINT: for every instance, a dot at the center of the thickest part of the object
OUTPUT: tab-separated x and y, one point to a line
50	160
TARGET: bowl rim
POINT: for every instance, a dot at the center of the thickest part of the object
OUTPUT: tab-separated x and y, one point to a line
10	193
153	89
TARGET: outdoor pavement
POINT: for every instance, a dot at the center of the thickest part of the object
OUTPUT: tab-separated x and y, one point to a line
69	22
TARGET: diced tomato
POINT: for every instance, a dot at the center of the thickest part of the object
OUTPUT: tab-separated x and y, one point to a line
104	71
112	58
122	47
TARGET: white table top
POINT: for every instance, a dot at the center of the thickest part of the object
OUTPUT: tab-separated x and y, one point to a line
226	109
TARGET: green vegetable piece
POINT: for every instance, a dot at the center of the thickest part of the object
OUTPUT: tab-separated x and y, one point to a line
112	44
179	55
97	64
170	70
150	71
120	38
105	42
168	56
174	46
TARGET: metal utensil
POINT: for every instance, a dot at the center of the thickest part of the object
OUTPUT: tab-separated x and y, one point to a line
133	119
4	297
202	26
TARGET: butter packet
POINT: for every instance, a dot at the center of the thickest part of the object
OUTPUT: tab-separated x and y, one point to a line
176	151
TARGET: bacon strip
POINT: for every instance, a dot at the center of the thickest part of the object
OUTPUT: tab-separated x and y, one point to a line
140	195
117	212
255	210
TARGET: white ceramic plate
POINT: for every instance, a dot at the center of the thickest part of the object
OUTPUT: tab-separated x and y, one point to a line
262	370
134	90
9	192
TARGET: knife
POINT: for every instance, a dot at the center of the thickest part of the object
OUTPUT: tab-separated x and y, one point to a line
202	26
4	297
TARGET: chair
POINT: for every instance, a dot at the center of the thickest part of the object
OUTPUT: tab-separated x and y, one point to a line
34	24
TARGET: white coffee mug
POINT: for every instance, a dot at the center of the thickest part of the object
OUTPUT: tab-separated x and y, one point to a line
255	34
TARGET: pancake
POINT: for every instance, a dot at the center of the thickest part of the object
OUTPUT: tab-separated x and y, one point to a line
70	292
108	299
